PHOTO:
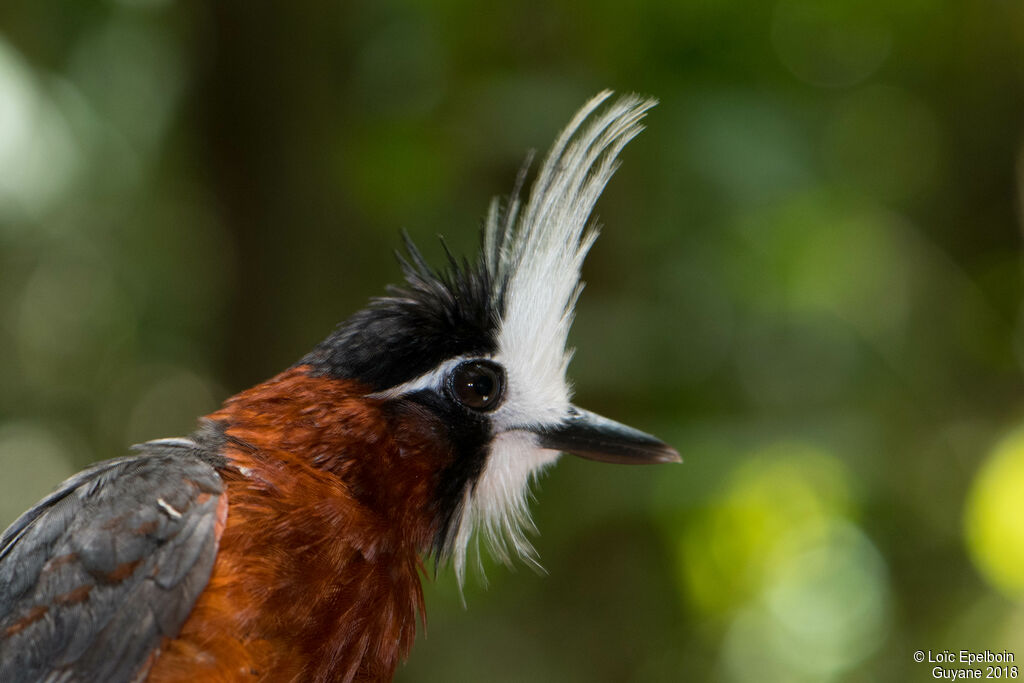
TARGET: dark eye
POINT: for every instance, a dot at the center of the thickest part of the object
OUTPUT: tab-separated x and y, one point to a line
477	384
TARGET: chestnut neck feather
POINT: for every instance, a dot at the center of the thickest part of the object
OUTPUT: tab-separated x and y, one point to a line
331	501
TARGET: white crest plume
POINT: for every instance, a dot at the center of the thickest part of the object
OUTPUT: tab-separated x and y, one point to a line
533	254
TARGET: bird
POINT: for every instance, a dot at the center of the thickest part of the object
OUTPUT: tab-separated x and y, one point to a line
287	537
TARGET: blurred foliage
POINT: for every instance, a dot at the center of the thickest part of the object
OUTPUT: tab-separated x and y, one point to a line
809	282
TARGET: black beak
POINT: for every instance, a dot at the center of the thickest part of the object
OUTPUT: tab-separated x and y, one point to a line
591	436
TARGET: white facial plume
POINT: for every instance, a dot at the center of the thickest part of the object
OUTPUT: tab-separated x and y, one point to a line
534	253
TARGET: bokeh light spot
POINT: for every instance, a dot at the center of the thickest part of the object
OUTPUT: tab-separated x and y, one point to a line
824	608
994	517
726	553
38	154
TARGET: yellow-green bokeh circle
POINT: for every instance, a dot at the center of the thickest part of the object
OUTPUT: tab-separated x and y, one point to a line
994	517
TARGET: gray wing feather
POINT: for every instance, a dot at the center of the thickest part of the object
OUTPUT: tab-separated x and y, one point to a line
100	571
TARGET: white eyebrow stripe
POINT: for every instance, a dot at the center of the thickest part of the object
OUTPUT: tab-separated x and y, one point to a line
431	380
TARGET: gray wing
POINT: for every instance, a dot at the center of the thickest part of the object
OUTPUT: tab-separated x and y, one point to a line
98	573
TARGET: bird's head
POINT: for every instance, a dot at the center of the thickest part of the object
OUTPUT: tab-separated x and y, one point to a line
481	346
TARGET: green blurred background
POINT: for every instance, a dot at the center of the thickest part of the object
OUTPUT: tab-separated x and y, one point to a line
809	282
